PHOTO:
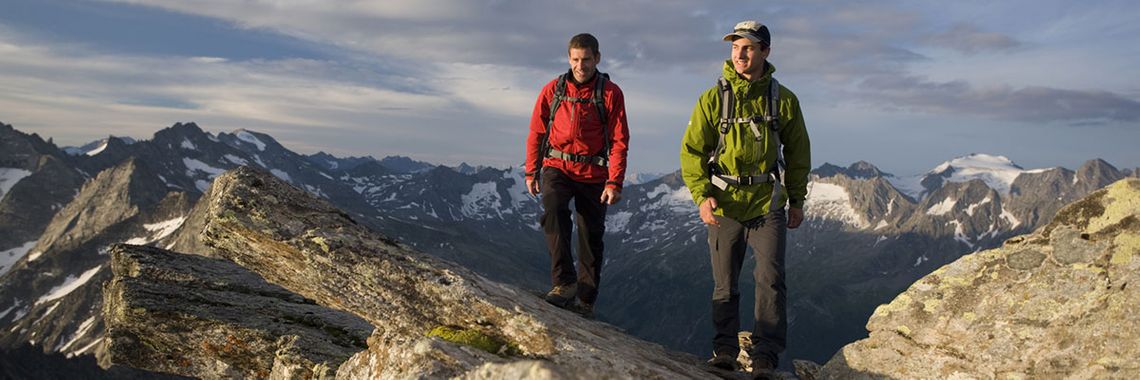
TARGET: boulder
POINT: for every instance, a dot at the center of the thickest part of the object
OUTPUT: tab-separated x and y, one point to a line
1061	302
210	318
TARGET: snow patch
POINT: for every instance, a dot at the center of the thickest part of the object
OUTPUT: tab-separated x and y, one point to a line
281	174
959	234
257	159
882	224
193	165
970	209
235	159
483	196
34	255
678	200
9	310
250	138
79	333
158	231
11	256
202	185
920	260
84	348
911	186
517	191
188	145
1008	216
617	221
942	207
69	285
10	177
832	202
99	149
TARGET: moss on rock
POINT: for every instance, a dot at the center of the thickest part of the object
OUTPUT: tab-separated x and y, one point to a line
476	339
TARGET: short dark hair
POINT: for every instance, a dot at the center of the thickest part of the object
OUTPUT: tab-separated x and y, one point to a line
584	41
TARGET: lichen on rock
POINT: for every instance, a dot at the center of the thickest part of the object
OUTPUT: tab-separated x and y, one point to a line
1055	303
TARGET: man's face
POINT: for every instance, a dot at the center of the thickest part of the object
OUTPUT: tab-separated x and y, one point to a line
583	62
748	57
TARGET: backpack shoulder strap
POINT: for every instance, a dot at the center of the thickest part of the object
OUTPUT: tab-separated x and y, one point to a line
772	118
603	116
556	100
559	95
727	100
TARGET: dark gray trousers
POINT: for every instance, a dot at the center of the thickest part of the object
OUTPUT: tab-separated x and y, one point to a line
557	192
727	244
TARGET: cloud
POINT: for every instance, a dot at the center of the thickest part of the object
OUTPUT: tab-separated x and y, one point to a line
1036	104
968	39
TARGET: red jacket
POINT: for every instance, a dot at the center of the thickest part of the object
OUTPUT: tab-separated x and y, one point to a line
578	130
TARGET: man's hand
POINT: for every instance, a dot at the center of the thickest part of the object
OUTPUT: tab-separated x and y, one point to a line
610	196
532	186
795	217
707	208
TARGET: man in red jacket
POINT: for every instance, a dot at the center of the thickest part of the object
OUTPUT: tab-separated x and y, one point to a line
576	150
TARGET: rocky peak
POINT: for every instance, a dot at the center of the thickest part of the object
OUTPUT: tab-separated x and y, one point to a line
114	195
53	291
1055	303
403	164
179	132
308	247
858	170
23	151
1097	174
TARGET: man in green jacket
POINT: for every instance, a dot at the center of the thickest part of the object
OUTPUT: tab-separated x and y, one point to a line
744	154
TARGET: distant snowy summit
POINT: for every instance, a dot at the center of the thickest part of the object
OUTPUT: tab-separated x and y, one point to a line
998	172
97	146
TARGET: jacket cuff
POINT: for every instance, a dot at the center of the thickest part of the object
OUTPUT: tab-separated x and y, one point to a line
796	203
613	185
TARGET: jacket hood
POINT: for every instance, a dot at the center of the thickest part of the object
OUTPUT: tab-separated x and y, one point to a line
729	72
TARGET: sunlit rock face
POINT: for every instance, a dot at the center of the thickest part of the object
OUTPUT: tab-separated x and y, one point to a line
1060	302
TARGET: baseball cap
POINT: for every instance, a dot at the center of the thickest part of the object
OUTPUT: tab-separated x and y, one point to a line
752	30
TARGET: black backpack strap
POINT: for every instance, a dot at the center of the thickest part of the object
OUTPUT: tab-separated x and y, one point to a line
600	102
555	101
772	119
727	106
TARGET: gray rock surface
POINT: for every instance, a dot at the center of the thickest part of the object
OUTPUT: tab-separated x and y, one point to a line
305	245
1059	303
212	319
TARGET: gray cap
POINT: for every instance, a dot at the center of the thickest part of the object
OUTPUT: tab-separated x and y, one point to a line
752	30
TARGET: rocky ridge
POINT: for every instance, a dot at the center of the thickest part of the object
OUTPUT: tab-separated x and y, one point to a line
1051	304
212	319
311	248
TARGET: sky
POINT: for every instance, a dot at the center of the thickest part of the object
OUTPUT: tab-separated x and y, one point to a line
903	85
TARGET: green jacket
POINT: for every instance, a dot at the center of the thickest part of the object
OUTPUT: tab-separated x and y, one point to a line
742	157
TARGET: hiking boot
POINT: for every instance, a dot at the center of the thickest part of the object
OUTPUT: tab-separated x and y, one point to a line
562	295
724	361
586	310
763	368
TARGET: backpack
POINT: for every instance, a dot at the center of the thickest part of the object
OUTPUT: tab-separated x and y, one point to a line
770	120
545	150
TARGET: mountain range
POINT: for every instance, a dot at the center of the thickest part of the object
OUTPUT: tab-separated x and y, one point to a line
868	234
